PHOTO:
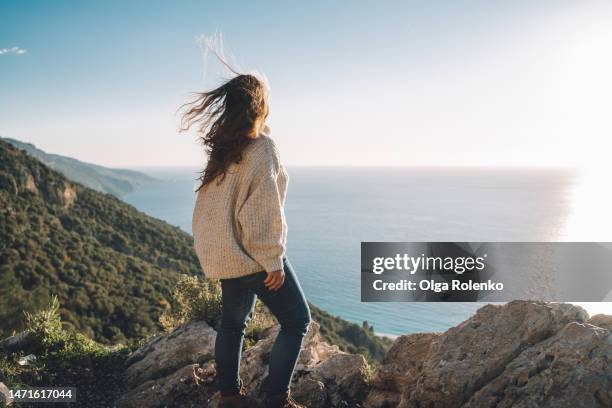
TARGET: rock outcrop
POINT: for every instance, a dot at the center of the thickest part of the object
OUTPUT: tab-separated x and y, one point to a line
176	369
522	354
402	363
164	354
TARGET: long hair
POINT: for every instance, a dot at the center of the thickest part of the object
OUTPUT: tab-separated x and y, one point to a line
225	118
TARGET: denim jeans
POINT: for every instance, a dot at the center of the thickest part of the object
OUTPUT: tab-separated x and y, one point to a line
287	304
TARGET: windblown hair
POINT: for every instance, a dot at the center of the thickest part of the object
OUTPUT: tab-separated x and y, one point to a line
226	117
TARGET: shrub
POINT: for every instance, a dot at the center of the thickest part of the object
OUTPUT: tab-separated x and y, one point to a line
193	298
51	339
197	298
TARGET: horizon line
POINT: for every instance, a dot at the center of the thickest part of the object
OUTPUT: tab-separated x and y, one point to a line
432	166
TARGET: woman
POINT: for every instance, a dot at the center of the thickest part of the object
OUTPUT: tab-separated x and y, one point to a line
240	234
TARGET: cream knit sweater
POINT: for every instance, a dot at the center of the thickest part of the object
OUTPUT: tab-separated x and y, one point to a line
239	226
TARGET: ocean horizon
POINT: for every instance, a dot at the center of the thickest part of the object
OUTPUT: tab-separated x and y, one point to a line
331	210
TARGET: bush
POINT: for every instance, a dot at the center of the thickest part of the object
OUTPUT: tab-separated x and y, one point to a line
193	298
197	298
52	340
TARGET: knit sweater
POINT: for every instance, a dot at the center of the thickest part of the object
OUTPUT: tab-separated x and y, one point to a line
239	225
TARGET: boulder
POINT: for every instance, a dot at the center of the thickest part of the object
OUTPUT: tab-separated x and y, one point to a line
191	343
570	369
520	354
468	356
343	377
401	365
180	388
310	392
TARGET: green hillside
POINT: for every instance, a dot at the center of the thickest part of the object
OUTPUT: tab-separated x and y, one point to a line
113	268
113	181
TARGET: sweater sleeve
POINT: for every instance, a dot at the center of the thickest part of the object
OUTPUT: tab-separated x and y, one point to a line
261	217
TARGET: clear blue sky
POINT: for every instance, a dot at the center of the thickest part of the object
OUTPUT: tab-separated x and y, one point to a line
353	83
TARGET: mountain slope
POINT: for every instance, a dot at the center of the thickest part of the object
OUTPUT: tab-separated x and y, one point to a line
111	266
113	181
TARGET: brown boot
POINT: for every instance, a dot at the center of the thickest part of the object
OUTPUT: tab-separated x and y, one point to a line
239	400
282	401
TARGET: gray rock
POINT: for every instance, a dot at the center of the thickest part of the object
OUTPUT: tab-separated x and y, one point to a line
569	369
309	392
180	388
20	341
400	367
465	358
189	344
344	379
522	354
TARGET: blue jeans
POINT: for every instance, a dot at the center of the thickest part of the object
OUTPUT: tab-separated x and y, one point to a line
290	308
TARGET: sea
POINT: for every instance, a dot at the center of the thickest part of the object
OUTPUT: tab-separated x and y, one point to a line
331	210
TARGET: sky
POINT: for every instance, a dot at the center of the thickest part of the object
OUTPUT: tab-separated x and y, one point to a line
517	83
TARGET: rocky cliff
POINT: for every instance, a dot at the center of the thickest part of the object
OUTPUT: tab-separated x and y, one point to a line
521	354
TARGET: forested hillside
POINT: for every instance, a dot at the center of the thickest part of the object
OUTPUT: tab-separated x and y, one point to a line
111	266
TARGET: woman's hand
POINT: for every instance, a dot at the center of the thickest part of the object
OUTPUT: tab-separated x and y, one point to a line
275	280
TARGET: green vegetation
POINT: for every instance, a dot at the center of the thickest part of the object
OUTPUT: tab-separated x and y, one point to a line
64	358
351	337
196	298
114	269
193	298
111	266
45	327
